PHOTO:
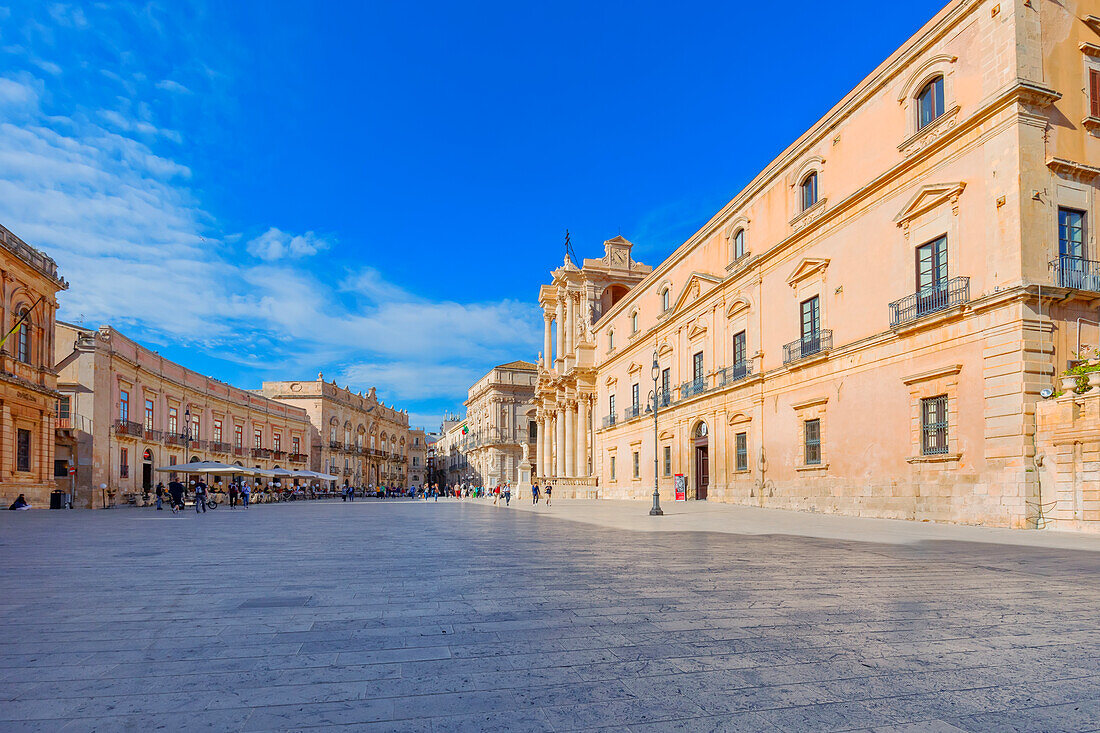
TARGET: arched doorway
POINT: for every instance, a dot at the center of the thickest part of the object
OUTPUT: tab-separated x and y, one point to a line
147	469
700	440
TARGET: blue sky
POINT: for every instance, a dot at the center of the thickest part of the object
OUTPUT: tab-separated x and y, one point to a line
263	190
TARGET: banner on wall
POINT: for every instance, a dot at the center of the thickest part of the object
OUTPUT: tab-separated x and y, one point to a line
681	487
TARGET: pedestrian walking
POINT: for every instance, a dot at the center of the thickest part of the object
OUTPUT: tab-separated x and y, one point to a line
160	495
234	494
175	490
200	497
496	495
549	493
344	491
534	493
507	494
246	494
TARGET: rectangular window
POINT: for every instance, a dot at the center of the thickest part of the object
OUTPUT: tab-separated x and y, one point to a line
637	465
741	445
124	405
612	465
932	264
739	244
668	461
666	382
23	347
1071	233
416	461
217	431
173	420
296	444
63	408
238	437
933	412
60	468
610	340
23	450
811	317
611	405
739	349
277	441
123	463
257	438
1094	92
811	447
697	366
148	414
195	427
634	397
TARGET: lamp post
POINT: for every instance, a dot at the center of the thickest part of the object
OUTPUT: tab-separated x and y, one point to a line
185	435
656	511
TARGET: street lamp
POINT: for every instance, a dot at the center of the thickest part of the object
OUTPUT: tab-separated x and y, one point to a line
186	436
655	395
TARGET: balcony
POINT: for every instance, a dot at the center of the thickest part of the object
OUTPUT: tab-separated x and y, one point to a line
278	455
732	374
238	452
261	452
298	458
132	429
815	343
154	435
218	447
631	412
927	301
664	397
335	445
1077	273
173	439
609	421
694	387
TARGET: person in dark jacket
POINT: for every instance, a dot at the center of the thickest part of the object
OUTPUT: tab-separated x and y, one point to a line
19	504
175	490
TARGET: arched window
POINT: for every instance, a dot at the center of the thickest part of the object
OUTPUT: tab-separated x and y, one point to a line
665	304
809	191
930	102
23	343
610	339
739	244
634	322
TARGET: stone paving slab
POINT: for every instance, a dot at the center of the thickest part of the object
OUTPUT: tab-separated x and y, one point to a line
460	615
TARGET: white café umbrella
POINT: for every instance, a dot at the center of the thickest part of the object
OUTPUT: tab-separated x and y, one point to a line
195	467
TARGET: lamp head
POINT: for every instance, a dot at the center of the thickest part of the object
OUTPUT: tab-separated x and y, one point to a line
656	371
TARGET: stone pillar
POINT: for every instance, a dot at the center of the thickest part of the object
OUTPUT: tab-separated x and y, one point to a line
559	442
571	438
547	344
582	437
560	354
547	468
570	322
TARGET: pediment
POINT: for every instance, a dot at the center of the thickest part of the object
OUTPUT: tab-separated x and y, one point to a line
634	367
928	198
667	435
739	417
611	381
808	267
739	305
665	348
697	285
696	331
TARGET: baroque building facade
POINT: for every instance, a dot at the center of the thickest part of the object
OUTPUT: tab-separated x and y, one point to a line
28	381
867	326
354	436
566	386
130	410
500	417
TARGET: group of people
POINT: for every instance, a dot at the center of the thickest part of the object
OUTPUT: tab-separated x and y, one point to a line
238	493
535	493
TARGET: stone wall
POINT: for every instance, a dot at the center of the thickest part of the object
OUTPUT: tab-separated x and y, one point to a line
1067	442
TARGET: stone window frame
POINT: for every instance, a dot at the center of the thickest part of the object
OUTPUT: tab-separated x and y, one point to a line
932	383
1090	61
636	460
739	225
812	409
611	465
936	66
814	165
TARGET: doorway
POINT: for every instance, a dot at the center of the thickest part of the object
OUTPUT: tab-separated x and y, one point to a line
701	442
147	469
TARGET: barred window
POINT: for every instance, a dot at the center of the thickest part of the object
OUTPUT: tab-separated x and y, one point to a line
811	447
637	466
612	466
933	411
23	450
741	443
123	463
668	461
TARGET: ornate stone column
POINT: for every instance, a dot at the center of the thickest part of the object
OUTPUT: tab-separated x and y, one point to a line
570	322
582	436
547	467
560	346
559	442
547	343
570	438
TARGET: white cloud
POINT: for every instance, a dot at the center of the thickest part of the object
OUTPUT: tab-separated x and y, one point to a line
17	96
275	244
170	85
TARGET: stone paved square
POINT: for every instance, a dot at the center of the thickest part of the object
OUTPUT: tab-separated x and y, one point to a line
396	615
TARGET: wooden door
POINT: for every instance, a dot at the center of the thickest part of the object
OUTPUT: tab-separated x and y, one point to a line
702	472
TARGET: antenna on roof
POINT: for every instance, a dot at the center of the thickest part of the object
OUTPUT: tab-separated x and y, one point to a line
569	248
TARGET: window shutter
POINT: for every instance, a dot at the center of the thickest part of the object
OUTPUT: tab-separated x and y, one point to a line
1094	92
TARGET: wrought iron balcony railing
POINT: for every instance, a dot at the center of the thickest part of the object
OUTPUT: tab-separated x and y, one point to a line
219	447
609	421
814	343
664	397
1077	272
631	412
126	427
734	373
927	301
694	387
298	458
